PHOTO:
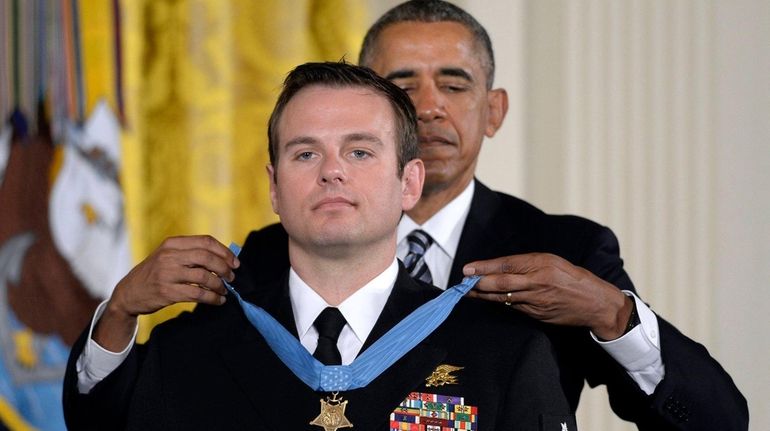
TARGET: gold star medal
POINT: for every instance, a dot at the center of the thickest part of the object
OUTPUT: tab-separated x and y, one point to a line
332	416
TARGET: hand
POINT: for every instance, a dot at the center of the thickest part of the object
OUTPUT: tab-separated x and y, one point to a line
550	289
182	269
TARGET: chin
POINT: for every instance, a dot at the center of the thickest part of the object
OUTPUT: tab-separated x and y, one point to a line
434	183
335	238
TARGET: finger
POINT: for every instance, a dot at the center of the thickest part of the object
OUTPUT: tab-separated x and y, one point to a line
203	278
190	293
496	283
505	264
507	298
203	258
205	242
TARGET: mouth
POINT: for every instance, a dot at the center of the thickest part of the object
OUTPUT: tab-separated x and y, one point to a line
434	135
332	203
435	147
430	140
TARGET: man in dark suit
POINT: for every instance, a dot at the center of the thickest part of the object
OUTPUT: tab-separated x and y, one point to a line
564	270
343	147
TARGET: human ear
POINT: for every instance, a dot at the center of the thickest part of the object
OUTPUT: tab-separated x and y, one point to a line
498	107
412	180
272	180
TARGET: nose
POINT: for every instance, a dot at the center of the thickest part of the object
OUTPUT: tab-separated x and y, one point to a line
429	103
332	171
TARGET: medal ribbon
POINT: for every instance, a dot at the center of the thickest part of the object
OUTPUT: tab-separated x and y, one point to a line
373	361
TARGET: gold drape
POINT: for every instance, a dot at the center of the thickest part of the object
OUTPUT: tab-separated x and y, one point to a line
201	77
97	34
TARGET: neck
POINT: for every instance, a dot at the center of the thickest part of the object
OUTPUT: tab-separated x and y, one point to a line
433	199
334	273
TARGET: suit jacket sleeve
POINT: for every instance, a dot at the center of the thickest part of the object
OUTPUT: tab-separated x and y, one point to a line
696	392
106	406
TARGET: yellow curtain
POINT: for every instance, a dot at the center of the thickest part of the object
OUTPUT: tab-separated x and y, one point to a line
201	77
97	34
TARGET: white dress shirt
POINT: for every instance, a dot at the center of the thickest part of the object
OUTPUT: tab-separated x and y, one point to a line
638	351
360	310
96	362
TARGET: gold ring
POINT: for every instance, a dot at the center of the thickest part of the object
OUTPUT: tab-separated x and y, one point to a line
508	298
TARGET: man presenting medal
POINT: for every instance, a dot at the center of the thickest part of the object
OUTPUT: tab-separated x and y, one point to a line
345	338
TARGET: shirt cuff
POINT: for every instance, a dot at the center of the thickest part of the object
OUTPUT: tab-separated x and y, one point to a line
638	351
96	362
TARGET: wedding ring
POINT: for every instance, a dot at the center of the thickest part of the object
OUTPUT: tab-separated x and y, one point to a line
508	298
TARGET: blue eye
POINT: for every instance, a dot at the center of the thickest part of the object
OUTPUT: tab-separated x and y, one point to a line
360	154
305	155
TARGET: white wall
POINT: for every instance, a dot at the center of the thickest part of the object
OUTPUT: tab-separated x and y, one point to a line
742	193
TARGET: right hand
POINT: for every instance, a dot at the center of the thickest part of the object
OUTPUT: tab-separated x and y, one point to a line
181	269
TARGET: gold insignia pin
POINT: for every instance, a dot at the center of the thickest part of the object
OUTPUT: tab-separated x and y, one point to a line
441	376
332	416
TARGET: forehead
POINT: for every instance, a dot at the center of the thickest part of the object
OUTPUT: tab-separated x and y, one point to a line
427	47
322	112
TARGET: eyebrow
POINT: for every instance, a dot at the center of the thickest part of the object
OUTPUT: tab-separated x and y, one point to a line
456	72
363	136
401	73
301	140
444	71
351	137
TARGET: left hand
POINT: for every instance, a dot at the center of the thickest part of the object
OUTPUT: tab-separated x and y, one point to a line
549	288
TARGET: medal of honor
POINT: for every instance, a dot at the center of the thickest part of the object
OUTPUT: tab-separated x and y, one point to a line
332	416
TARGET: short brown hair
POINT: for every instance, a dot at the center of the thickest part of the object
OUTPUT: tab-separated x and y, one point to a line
342	75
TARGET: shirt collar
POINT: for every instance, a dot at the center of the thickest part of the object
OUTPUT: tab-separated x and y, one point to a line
446	226
361	309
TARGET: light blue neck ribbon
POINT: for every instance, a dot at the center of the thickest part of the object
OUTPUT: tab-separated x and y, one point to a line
373	361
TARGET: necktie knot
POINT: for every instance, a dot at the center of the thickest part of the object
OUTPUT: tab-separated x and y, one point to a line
329	324
419	241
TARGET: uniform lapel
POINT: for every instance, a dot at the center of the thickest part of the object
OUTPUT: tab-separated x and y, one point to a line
406	296
371	406
279	399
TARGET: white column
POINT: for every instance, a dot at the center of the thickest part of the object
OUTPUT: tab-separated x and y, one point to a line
742	258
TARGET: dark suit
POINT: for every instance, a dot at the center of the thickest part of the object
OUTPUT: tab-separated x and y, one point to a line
211	369
696	393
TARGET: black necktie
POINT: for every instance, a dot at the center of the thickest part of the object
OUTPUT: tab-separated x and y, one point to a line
329	325
414	262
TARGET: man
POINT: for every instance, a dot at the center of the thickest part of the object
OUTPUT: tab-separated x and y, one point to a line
564	270
343	144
